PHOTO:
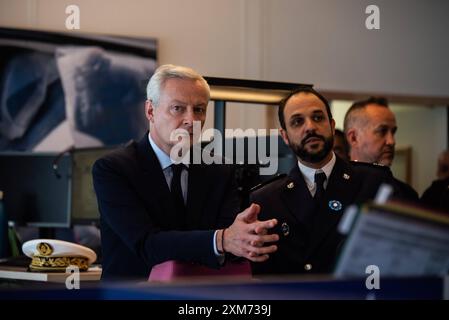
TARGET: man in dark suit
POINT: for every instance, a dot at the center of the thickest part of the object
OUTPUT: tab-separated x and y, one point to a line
154	209
341	147
309	202
437	195
370	128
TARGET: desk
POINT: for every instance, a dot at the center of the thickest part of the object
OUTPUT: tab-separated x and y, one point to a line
233	289
21	273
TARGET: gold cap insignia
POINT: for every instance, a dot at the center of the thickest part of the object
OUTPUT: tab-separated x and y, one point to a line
346	176
290	185
285	229
44	248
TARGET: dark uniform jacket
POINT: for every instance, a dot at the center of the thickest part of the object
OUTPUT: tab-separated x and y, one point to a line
309	240
139	225
403	191
437	195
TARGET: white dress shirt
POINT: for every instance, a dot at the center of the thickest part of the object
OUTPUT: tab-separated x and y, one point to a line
309	174
165	161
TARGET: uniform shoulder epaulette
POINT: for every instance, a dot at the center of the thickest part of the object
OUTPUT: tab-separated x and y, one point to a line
370	165
267	182
129	143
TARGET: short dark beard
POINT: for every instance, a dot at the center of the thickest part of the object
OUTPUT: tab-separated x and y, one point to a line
303	154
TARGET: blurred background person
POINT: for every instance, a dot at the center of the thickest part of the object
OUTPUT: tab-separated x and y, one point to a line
341	147
437	195
370	128
443	165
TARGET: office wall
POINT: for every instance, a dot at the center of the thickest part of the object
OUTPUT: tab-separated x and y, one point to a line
326	43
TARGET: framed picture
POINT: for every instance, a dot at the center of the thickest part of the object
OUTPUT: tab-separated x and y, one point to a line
62	89
402	164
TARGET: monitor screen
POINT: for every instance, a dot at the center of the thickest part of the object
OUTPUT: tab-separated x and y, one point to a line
33	194
84	208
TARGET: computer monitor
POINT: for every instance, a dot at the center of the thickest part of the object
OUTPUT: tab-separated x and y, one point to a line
248	162
50	190
84	208
280	154
33	194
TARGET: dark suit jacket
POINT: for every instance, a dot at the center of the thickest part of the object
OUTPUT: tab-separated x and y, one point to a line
139	225
308	234
403	191
437	195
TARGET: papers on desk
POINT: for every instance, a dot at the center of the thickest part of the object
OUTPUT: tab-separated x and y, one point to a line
400	240
21	273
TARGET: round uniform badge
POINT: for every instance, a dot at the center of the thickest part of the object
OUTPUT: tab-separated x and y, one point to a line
335	205
285	229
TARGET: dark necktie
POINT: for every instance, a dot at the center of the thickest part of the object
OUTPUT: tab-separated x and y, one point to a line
176	189
320	178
